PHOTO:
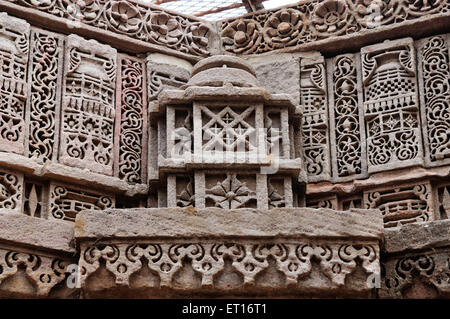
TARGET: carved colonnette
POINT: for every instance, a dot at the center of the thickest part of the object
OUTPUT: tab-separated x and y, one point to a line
416	261
42	116
300	260
330	25
14	47
433	74
35	255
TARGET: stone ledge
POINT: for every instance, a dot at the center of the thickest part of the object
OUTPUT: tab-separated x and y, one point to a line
69	174
417	236
22	230
217	223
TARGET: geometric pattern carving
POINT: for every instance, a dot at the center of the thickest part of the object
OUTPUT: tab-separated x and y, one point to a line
132	116
443	201
347	132
88	110
309	21
35	199
11	187
66	202
434	74
402	204
391	107
14	46
230	192
315	121
139	21
294	259
44	272
44	84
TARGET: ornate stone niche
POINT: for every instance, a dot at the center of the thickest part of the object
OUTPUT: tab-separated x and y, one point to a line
391	105
88	105
14	47
222	118
402	204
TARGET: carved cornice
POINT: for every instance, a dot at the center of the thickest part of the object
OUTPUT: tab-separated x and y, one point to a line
331	25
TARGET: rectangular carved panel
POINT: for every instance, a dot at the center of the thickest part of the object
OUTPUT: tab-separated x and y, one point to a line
315	120
14	43
434	74
44	87
88	109
35	199
11	188
407	203
66	202
131	97
391	106
347	131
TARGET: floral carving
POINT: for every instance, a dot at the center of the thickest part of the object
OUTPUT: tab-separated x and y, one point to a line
124	17
242	36
284	28
164	28
331	17
230	193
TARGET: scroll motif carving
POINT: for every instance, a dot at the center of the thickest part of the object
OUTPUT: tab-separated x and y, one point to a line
138	21
391	107
293	259
315	121
434	71
132	116
14	43
11	187
45	70
88	110
346	120
66	202
45	272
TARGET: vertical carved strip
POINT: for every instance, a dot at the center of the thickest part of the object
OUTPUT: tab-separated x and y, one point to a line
14	41
315	120
44	87
347	133
131	120
11	188
434	75
391	107
88	105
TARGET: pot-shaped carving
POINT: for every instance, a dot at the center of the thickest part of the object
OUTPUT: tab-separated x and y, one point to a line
82	10
242	36
284	28
197	36
331	17
123	16
164	28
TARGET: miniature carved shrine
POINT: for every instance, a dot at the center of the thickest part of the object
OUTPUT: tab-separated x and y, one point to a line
301	151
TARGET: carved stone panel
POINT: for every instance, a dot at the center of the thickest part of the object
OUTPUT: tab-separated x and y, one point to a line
35	199
313	99
434	73
180	190
88	109
330	201
131	118
65	201
391	106
11	190
347	131
44	86
442	196
14	47
402	204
